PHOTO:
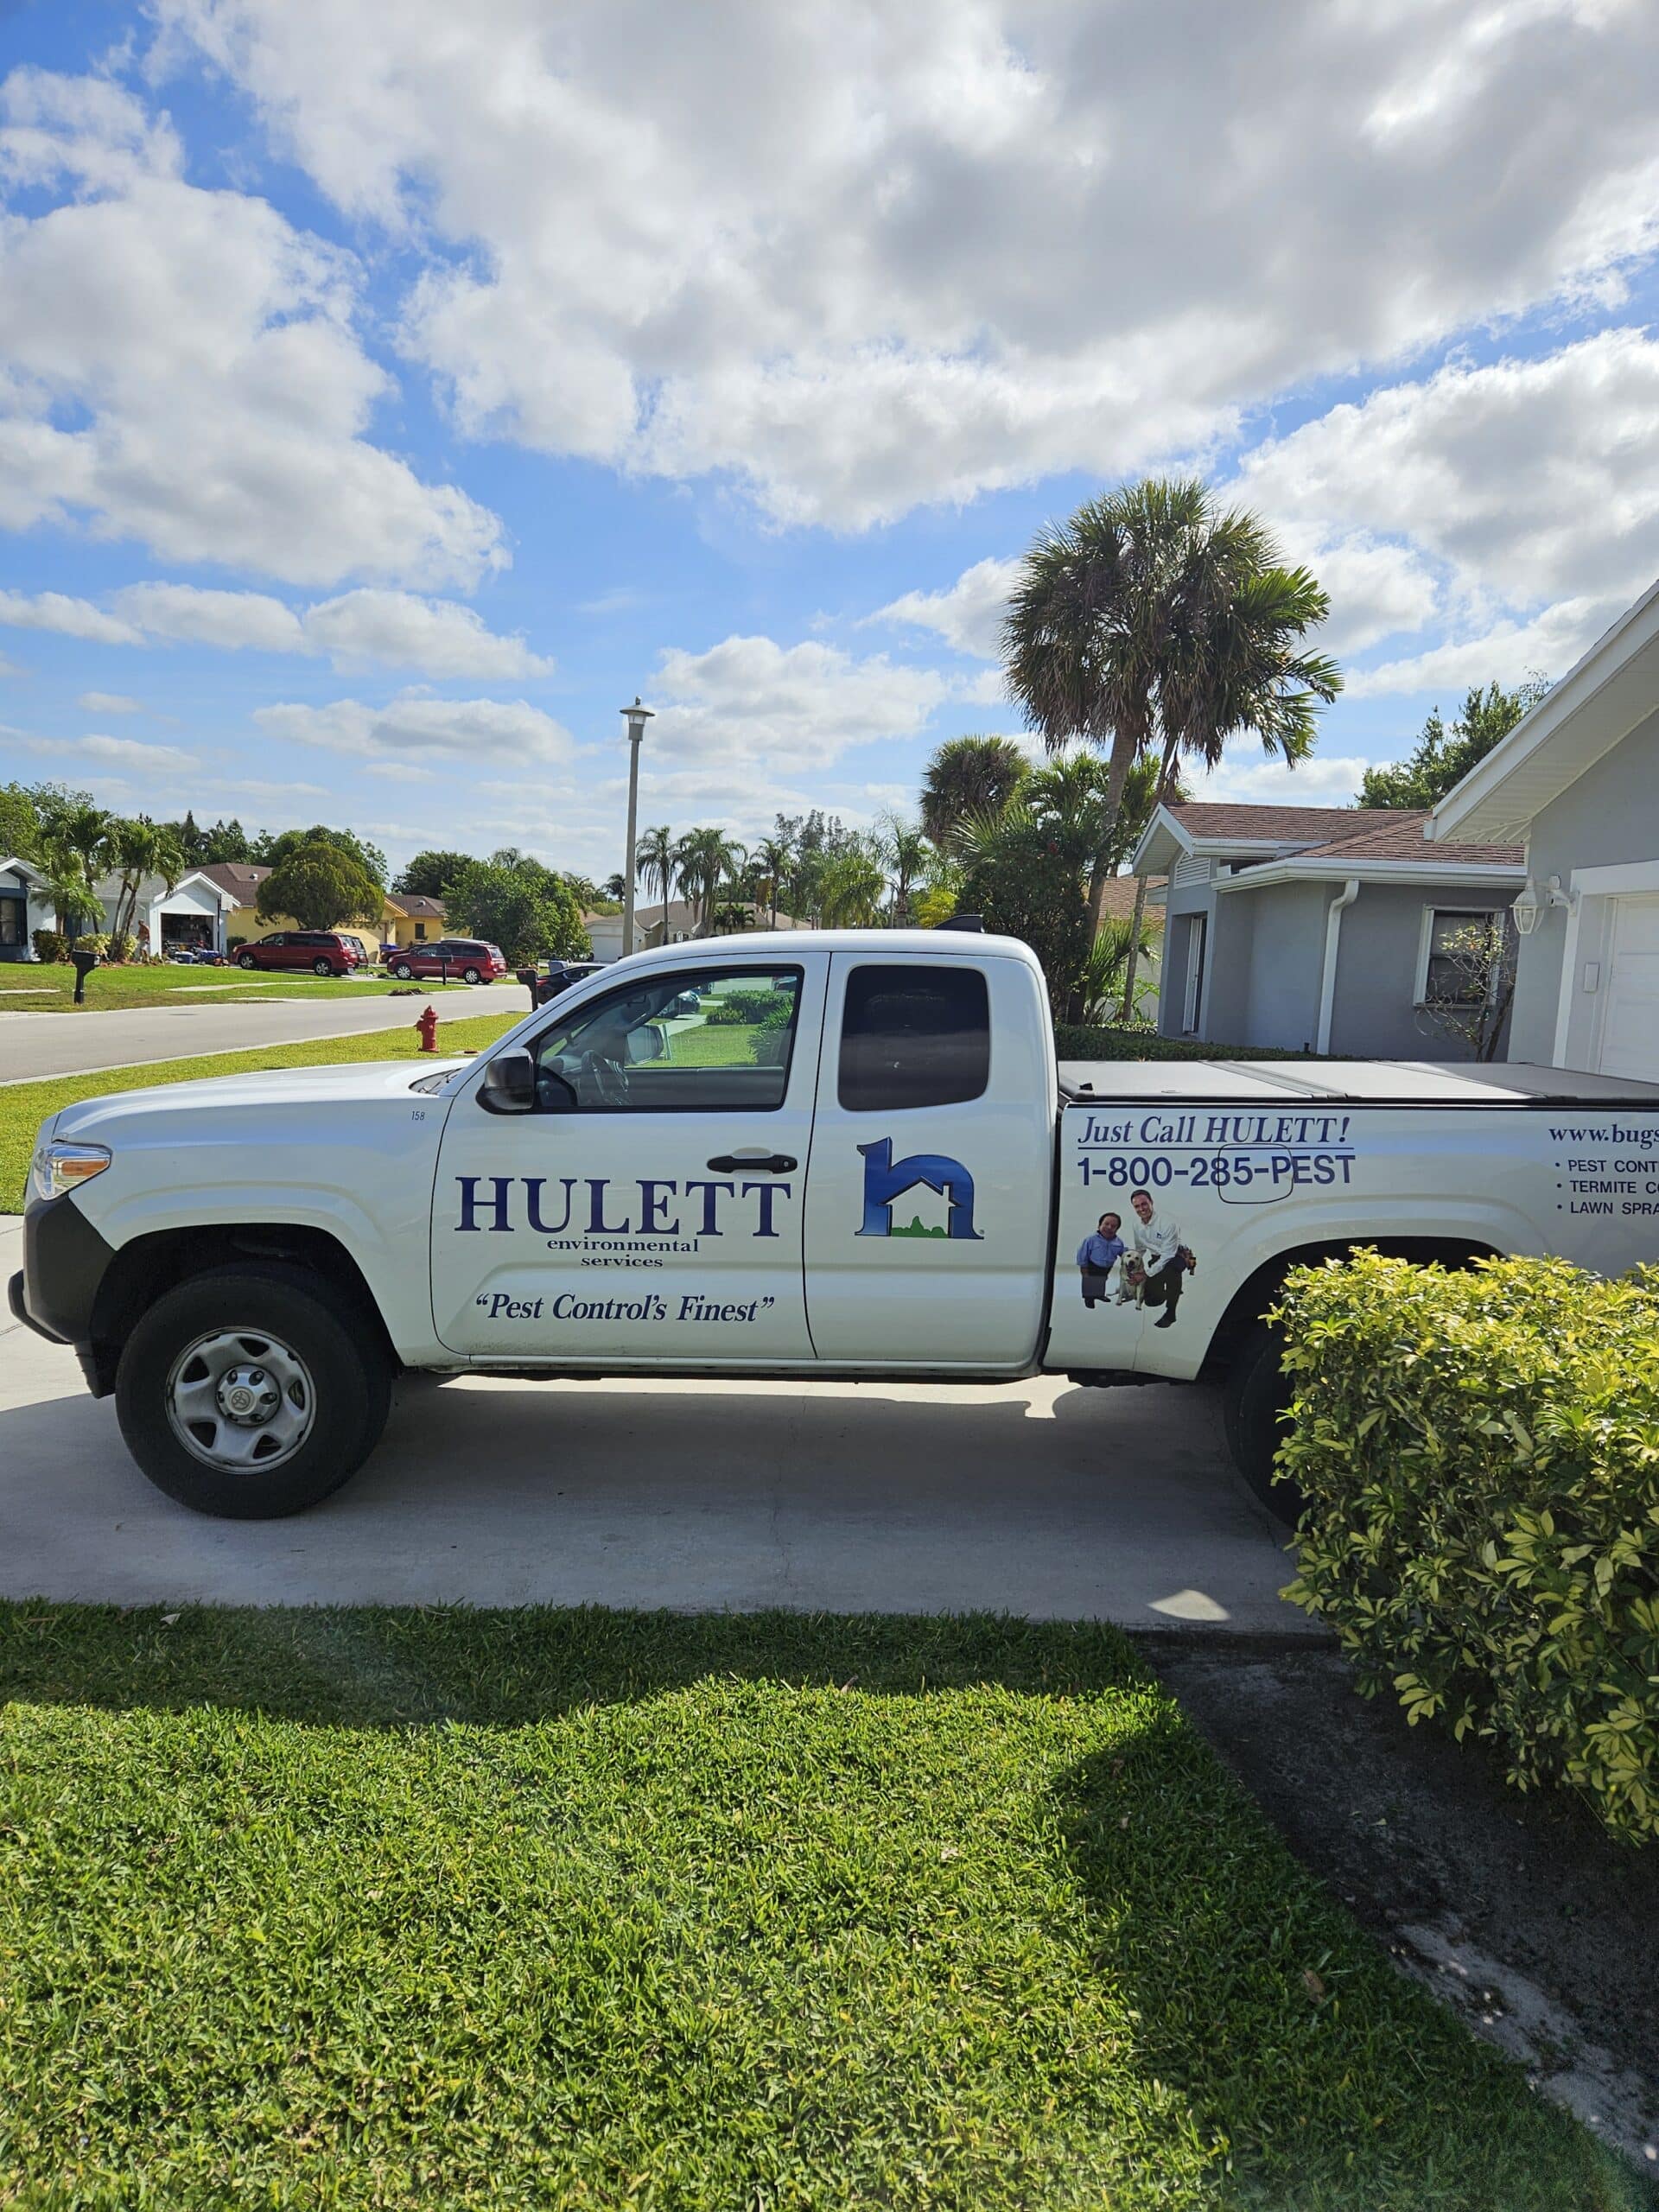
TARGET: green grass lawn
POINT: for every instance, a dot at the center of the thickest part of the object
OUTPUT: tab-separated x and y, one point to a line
31	988
594	1910
24	1106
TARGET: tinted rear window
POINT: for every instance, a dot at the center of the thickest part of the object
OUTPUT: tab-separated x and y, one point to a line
913	1036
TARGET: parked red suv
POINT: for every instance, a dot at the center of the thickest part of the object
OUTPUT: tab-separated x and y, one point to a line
324	952
468	958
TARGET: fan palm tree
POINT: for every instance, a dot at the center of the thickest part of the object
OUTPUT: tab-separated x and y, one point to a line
654	856
1150	622
67	885
703	860
968	776
135	850
773	856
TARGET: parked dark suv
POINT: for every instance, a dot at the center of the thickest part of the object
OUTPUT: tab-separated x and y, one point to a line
470	958
324	952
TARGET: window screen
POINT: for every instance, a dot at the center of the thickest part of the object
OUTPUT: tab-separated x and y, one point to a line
914	1037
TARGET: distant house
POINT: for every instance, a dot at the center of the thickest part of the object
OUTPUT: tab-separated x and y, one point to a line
605	934
412	917
393	924
22	909
1576	782
1315	928
683	920
187	915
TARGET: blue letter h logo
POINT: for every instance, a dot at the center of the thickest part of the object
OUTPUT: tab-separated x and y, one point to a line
886	1179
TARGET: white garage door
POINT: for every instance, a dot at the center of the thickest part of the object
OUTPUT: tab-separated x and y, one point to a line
1630	1016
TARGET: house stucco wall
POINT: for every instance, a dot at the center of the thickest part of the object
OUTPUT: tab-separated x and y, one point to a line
1284	929
1608	819
1374	1015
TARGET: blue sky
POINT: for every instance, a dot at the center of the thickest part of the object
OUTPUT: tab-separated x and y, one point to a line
387	395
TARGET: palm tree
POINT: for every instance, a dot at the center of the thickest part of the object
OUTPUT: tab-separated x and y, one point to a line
703	859
67	885
654	854
968	775
906	853
1109	960
852	888
1150	621
135	850
773	856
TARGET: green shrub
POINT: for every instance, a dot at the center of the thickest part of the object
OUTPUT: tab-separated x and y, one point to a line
1479	1453
764	1009
1075	1041
51	946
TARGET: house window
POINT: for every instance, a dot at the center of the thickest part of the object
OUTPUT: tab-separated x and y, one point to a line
420	930
1460	963
13	921
914	1037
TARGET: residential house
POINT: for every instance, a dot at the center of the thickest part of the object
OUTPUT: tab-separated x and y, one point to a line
605	934
22	909
171	917
682	920
412	917
1576	782
1317	929
241	879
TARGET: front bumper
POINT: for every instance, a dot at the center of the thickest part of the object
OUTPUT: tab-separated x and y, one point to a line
65	1261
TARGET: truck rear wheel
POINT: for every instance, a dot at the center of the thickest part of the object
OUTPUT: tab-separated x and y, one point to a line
1256	1393
251	1392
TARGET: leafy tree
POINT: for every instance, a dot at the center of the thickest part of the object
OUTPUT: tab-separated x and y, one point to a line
270	851
20	822
67	885
1101	979
771	859
968	776
1474	984
321	884
1023	870
904	852
429	875
1150	622
56	804
225	840
852	885
521	906
1440	757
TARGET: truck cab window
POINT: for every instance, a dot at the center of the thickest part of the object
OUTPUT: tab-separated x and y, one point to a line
689	1040
913	1036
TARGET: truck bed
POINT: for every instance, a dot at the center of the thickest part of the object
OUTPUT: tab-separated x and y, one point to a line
1372	1082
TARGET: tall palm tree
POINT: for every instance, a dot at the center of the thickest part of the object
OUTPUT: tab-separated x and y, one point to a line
135	850
1152	621
968	775
654	854
905	853
852	884
773	856
704	861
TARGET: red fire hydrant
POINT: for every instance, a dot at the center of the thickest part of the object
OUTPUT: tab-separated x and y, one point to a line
428	1025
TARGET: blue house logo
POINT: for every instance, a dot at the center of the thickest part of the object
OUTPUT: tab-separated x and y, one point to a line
887	1180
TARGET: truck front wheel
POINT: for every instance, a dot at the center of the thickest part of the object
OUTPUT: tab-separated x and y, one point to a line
1255	1395
251	1391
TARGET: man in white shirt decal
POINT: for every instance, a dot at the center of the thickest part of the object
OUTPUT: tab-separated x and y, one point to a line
1157	1240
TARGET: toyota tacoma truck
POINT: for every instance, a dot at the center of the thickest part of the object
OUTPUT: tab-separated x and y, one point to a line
814	1154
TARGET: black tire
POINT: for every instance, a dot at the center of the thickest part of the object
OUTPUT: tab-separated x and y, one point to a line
1256	1393
246	960
349	1373
322	967
403	971
472	974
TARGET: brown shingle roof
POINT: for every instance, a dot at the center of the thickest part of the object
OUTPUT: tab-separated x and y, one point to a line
1275	825
416	905
1119	900
240	878
1399	836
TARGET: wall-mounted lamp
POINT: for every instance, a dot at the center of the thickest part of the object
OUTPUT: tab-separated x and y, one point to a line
1531	902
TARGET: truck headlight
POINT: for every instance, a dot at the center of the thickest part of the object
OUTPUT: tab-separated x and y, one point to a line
60	1168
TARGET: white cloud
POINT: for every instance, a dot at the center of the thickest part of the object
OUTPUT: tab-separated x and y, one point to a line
127	753
185	614
394	629
183	366
1331	780
869	257
1506	653
968	615
470	730
73	618
772	708
108	703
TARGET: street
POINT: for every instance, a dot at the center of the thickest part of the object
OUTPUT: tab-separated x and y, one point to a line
34	1045
1033	1498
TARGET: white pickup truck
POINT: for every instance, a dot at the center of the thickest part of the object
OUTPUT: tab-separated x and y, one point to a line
807	1154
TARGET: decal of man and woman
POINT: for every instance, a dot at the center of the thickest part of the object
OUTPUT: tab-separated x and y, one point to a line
1151	1265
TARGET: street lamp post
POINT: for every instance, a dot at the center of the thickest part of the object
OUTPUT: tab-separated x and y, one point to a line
638	717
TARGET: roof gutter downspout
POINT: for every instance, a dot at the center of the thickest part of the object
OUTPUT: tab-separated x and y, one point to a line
1333	914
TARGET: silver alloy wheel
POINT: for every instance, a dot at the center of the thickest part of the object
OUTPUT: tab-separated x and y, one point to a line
240	1400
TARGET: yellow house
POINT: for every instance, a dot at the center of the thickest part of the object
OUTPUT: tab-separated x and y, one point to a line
405	919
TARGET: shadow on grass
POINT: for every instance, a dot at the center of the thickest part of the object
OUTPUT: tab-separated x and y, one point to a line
1318	2079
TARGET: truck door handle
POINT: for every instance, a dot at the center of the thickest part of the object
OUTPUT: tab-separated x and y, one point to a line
760	1163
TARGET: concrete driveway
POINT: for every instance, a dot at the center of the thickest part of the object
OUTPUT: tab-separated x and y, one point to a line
1032	1498
35	1044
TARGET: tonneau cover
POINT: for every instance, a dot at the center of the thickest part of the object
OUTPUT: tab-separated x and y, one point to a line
1392	1083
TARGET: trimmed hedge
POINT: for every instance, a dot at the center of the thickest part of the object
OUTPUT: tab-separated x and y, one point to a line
1479	1455
1075	1041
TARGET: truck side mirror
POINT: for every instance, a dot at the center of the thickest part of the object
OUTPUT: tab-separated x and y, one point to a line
509	1085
